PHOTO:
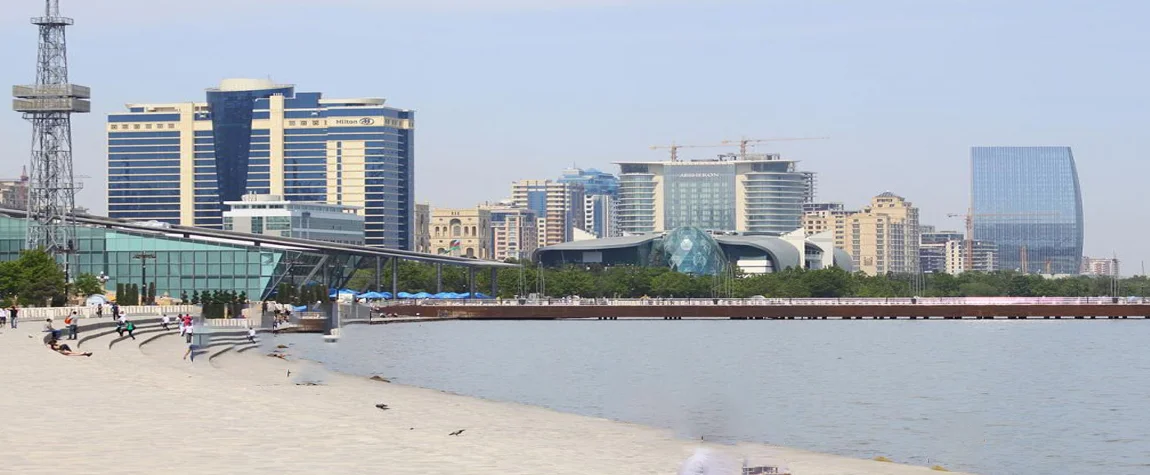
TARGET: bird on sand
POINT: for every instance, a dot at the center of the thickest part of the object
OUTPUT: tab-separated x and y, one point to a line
382	406
460	431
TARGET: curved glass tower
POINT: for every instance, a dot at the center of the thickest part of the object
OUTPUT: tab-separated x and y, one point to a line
1027	200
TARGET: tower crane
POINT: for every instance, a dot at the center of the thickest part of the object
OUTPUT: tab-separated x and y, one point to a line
744	142
674	148
968	242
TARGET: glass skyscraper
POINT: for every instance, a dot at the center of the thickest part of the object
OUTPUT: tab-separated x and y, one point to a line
1027	200
178	163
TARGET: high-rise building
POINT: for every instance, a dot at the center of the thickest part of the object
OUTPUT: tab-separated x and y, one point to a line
1096	267
559	206
600	191
761	194
180	162
1027	200
827	217
422	237
461	232
274	216
985	256
14	192
883	237
932	249
513	232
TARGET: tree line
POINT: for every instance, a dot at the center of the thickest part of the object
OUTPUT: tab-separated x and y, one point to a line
635	282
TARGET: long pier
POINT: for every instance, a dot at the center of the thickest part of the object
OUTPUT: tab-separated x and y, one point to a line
775	311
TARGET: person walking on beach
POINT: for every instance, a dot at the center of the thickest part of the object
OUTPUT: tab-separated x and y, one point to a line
191	351
73	323
188	333
164	322
251	334
3	316
12	312
130	327
99	310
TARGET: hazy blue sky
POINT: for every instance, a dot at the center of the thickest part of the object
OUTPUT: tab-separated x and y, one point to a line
509	89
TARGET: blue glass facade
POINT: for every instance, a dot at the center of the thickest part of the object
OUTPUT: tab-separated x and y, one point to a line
691	251
265	139
600	190
180	265
1027	200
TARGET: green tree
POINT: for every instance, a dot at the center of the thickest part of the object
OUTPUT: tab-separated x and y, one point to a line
34	278
87	284
672	284
977	289
151	300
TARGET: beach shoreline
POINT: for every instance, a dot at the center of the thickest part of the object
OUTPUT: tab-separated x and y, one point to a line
250	413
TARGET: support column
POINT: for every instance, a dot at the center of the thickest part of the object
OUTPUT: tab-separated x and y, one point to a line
471	280
395	276
438	277
494	282
379	274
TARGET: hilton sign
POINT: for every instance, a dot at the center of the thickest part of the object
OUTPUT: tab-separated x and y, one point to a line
361	121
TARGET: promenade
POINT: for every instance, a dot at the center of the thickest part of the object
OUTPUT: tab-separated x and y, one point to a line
969	308
140	409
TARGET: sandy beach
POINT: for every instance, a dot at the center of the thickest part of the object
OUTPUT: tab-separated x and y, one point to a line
142	410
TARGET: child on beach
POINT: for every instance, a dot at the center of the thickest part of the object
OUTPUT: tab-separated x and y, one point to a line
164	322
130	327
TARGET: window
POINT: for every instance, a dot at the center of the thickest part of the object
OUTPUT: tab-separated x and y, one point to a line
114	126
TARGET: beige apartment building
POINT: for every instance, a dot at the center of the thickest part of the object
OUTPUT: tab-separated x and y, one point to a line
461	232
882	238
421	242
514	233
558	207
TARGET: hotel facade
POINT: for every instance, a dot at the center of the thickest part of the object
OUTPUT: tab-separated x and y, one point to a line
180	162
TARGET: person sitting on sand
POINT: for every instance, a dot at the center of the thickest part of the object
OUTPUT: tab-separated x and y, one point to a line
65	349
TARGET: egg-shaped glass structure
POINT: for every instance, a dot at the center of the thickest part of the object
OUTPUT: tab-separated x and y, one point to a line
692	251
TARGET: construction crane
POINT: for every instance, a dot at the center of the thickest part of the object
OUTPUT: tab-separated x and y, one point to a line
674	148
968	244
744	142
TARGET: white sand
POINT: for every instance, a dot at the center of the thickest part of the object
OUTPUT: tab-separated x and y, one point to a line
133	410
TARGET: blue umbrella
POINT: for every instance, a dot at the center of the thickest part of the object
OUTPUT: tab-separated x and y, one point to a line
422	295
403	295
442	295
481	295
386	295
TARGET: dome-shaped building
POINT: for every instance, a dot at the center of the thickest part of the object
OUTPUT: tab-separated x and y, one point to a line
690	250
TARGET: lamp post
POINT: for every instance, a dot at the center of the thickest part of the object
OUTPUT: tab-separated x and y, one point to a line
143	257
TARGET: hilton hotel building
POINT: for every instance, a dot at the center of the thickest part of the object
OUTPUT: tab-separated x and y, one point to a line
180	162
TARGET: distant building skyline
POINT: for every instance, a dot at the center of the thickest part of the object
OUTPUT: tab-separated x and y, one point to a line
558	206
1027	201
600	193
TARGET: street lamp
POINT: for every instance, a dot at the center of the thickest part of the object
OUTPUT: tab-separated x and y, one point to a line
143	257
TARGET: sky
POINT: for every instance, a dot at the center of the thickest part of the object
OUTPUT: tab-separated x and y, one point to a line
513	89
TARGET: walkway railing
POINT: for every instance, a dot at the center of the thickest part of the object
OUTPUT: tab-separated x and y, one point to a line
88	312
778	301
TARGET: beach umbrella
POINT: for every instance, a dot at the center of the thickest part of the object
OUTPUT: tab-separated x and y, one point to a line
481	295
422	295
403	295
386	295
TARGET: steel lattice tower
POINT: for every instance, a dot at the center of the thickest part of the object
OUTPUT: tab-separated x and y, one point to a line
49	105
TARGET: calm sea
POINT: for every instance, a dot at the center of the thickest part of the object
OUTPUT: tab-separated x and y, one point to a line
992	397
